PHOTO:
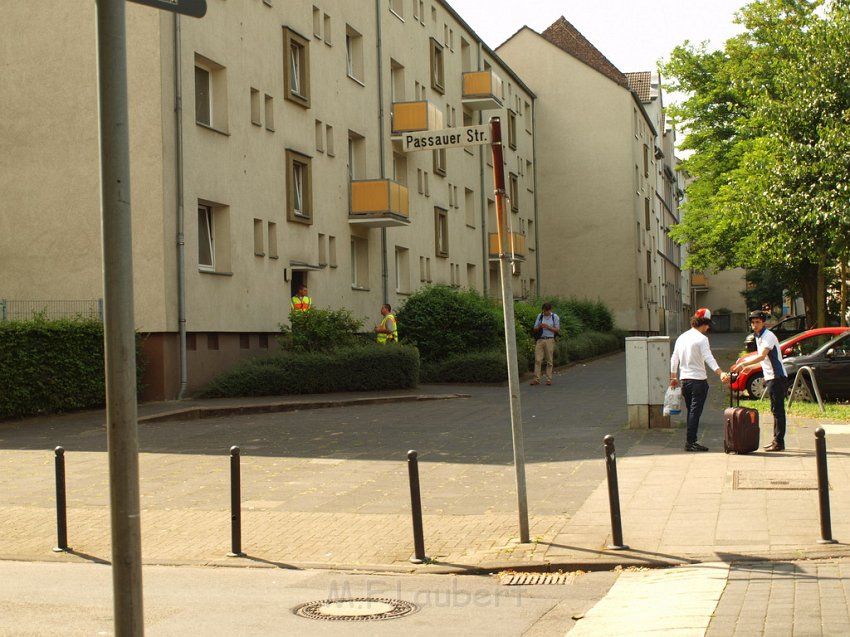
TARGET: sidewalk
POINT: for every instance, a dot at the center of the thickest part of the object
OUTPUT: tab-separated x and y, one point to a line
328	487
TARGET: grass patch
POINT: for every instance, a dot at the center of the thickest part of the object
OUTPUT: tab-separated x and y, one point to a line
839	411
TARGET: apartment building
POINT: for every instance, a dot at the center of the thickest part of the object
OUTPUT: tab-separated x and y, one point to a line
265	153
601	227
673	304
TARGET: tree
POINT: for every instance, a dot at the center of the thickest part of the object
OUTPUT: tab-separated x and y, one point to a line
768	119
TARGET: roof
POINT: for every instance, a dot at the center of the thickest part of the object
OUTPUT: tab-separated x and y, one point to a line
641	83
567	38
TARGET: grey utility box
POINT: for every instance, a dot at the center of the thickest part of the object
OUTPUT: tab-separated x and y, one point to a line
647	379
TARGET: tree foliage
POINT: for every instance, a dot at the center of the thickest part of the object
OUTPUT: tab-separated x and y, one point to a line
768	121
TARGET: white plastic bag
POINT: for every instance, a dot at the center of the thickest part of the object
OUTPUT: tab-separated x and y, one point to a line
673	401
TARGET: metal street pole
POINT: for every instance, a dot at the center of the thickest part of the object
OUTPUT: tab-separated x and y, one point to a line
505	258
119	332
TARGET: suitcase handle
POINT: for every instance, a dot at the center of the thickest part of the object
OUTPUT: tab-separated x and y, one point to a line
733	376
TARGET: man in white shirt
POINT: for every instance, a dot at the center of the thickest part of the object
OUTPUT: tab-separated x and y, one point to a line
690	356
767	346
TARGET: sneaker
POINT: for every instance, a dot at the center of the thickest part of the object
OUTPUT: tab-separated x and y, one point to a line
535	382
548	381
695	446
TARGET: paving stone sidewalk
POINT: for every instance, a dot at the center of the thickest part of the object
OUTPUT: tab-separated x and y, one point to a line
328	487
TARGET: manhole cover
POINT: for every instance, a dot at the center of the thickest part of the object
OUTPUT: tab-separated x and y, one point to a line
355	609
788	480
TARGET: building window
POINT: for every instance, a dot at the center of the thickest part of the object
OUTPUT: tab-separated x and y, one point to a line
329	140
332	251
269	103
359	263
210	94
356	156
258	238
328	39
323	250
512	129
469	207
320	136
400	169
299	197
402	270
438	80
397	7
317	23
244	341
212	341
354	54
272	240
645	160
206	239
263	341
256	118
514	192
441	232
440	161
397	81
213	237
296	64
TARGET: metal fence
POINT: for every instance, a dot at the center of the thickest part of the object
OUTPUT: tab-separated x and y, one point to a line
14	310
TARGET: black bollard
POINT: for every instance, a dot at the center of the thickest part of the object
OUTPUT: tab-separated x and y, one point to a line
61	508
823	488
235	505
419	556
613	495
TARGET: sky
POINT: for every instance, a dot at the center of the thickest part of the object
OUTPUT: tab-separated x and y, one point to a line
633	34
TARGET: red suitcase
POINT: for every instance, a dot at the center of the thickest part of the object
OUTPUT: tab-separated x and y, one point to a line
740	428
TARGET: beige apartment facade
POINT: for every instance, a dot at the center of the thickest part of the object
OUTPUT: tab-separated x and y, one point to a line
600	221
265	152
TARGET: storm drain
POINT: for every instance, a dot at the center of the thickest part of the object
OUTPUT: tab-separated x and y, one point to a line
533	579
789	480
355	609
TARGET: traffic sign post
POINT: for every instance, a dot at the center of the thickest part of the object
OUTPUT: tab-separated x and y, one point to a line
119	334
505	258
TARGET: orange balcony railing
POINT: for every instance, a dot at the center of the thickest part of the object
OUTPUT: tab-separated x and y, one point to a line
482	90
517	245
409	117
379	203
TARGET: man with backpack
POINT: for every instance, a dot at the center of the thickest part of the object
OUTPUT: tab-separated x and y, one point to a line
546	327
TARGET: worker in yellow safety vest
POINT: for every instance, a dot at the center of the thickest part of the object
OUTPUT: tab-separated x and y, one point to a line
301	302
388	328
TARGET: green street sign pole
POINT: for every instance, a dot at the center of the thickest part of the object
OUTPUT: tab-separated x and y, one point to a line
119	328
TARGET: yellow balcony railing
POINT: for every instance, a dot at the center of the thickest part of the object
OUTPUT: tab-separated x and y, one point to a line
482	90
410	117
699	280
379	203
516	245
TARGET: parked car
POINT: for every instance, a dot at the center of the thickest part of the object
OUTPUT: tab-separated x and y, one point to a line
751	379
831	364
783	329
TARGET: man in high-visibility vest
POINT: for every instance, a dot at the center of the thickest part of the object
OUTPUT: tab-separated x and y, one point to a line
301	302
388	328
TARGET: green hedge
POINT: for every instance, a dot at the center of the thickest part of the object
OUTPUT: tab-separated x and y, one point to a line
50	366
473	367
365	368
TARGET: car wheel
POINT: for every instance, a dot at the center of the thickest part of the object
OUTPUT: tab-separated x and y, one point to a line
802	392
755	385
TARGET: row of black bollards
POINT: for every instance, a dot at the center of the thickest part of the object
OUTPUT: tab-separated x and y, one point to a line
419	556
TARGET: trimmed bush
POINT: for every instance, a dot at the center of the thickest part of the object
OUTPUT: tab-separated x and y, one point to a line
472	367
319	331
588	345
443	321
49	366
366	368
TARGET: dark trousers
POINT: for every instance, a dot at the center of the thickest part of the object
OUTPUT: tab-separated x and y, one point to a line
776	391
694	392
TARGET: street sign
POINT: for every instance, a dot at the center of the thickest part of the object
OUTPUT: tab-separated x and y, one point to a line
194	8
447	138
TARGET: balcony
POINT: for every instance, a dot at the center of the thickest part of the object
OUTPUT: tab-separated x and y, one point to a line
699	281
517	245
482	90
410	117
379	203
